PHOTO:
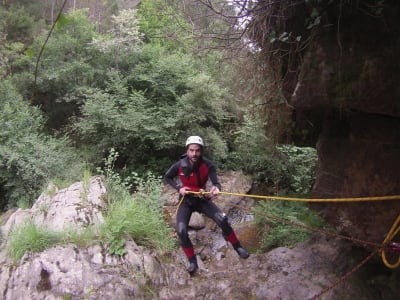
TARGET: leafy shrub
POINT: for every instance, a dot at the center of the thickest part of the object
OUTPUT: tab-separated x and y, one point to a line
29	158
298	168
276	233
285	166
254	152
145	110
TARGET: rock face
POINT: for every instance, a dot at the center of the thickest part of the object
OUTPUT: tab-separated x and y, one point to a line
77	206
72	272
347	97
361	160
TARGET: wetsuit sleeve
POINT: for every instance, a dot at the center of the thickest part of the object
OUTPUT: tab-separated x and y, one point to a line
212	174
171	174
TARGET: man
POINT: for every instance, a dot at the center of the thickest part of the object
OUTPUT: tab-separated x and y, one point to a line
194	170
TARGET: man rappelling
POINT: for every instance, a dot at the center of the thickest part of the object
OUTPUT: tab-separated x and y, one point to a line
194	171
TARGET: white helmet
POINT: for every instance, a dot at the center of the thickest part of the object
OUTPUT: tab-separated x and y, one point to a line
194	139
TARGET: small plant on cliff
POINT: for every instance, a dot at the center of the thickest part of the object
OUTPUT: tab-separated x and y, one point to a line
136	216
30	237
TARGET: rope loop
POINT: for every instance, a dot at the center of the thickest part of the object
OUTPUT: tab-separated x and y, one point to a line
391	246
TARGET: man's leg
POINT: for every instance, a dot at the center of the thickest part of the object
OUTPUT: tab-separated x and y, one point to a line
182	220
212	211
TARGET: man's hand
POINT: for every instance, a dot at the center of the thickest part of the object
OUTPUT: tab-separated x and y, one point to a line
184	190
214	191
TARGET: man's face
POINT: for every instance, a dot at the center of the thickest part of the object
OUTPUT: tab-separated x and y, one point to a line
194	153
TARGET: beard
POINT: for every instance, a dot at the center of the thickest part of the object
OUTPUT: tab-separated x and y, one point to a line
194	159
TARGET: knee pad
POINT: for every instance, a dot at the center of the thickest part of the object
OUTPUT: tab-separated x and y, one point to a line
183	235
222	220
182	230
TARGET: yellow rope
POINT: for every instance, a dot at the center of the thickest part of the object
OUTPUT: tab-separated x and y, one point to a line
347	199
389	237
180	202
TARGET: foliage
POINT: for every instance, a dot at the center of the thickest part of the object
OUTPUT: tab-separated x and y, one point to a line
145	113
254	152
29	158
276	233
123	39
298	168
162	23
18	23
65	65
286	166
30	237
10	57
81	238
113	90
136	216
116	186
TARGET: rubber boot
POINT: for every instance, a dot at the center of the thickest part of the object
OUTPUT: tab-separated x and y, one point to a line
193	266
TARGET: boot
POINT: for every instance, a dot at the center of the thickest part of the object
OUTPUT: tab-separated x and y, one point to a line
242	252
193	267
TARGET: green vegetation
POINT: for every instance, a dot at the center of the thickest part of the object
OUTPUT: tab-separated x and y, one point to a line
298	165
271	217
135	217
29	237
287	167
255	152
122	87
137	80
28	157
294	177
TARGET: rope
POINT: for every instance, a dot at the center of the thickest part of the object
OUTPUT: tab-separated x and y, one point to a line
180	202
378	247
346	199
389	238
387	244
345	276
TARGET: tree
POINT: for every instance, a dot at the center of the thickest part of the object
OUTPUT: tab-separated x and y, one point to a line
123	39
66	64
162	23
148	113
29	158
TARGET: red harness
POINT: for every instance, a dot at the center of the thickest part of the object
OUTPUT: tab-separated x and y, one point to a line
197	179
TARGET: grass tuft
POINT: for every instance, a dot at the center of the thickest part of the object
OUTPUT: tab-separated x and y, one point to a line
29	237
